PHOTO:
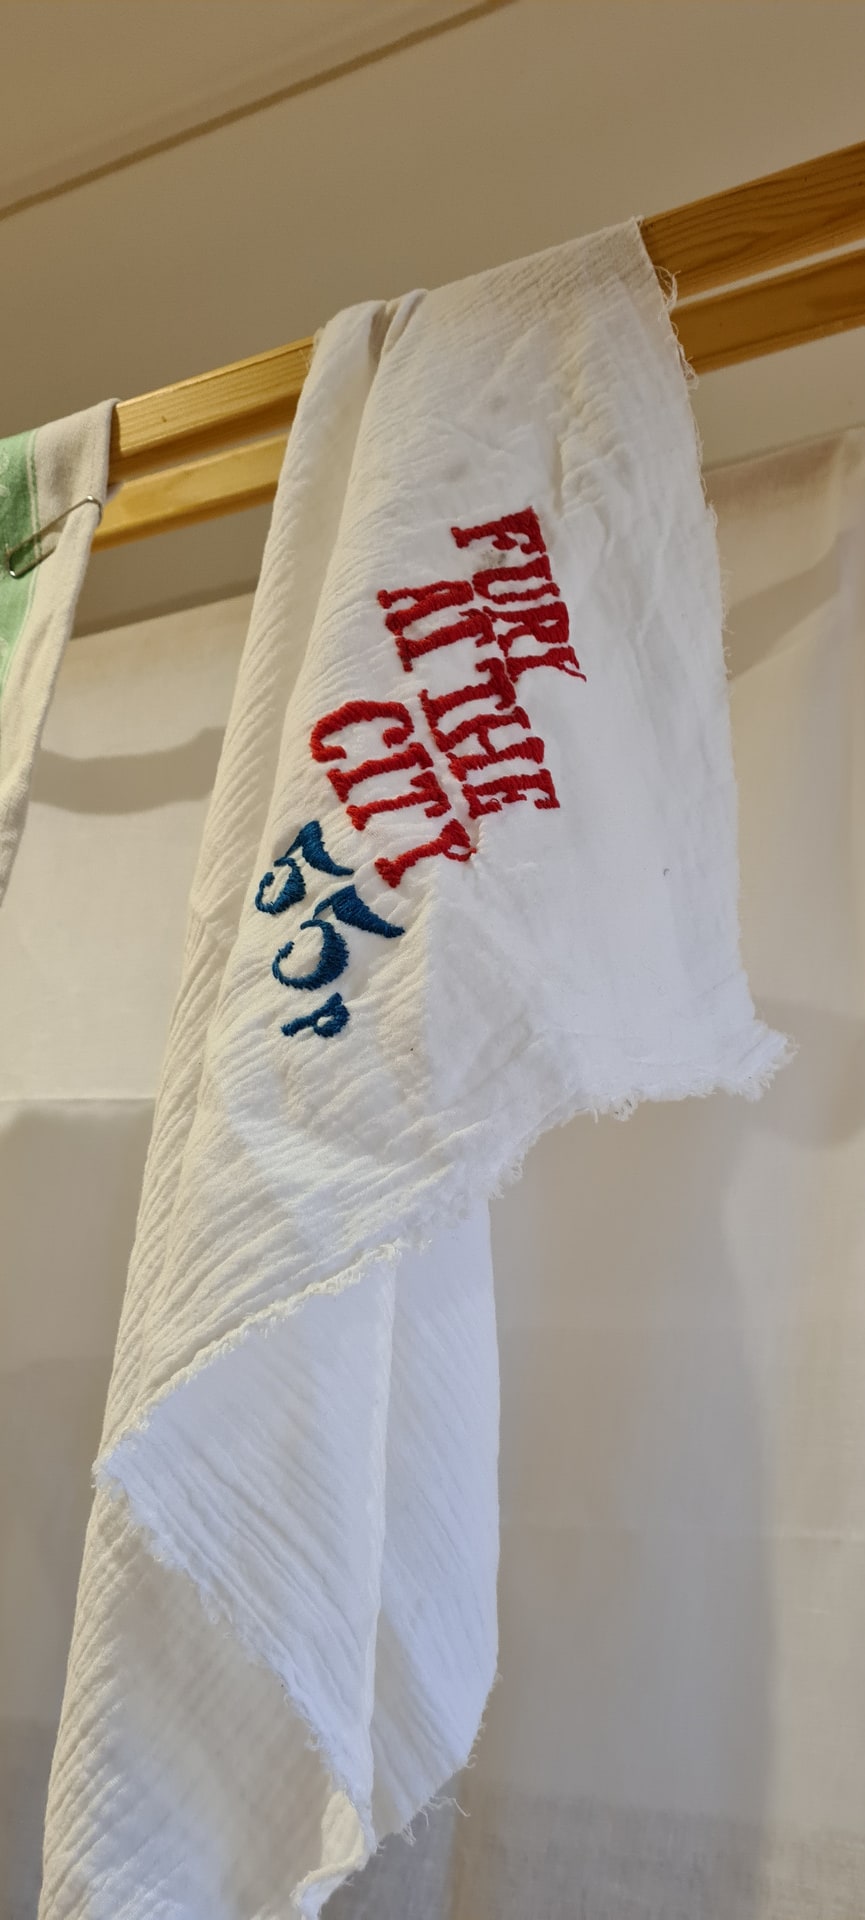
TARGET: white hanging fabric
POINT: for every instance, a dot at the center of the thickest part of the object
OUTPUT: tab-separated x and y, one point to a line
286	1626
679	1722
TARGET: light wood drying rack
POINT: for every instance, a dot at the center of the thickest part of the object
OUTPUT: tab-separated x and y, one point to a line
214	444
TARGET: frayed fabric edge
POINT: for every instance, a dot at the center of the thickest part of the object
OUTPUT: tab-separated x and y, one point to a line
418	1229
310	1893
110	1482
453	1201
668	290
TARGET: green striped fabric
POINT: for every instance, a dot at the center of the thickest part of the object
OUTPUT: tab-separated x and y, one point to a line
18	523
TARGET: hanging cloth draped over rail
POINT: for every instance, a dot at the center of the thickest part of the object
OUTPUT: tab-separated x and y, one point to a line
705	250
477	874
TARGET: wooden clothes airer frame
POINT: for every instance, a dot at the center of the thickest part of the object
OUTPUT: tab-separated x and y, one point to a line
744	236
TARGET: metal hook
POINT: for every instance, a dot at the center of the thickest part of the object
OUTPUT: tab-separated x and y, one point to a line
34	540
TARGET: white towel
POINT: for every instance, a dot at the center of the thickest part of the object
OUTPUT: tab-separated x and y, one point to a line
52	491
476	873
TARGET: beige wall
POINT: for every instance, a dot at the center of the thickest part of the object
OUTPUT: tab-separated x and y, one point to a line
502	135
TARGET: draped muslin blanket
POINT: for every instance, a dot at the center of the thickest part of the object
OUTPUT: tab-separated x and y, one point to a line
52	489
473	872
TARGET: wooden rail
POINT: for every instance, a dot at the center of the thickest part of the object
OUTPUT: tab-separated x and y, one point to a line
767	223
754	229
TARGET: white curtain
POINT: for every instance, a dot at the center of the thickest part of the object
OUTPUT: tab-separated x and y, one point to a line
678	1732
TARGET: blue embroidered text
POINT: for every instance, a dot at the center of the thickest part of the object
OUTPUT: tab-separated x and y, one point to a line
346	906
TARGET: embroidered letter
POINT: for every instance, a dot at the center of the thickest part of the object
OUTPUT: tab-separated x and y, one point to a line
453	842
327	1020
293	888
413	756
426	601
546	622
520	530
493	680
348	715
333	958
511	787
506	577
481	725
425	792
531	748
346	905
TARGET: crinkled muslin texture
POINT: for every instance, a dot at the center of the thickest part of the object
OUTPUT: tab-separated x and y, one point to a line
52	488
476	874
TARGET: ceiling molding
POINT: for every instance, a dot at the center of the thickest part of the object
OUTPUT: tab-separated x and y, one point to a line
343	38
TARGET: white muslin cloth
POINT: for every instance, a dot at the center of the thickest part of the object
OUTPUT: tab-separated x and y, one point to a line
477	874
53	484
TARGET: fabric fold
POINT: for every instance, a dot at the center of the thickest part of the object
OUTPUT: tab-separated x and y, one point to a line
53	484
471	871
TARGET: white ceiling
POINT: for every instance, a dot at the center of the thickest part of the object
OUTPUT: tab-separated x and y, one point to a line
513	130
115	78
